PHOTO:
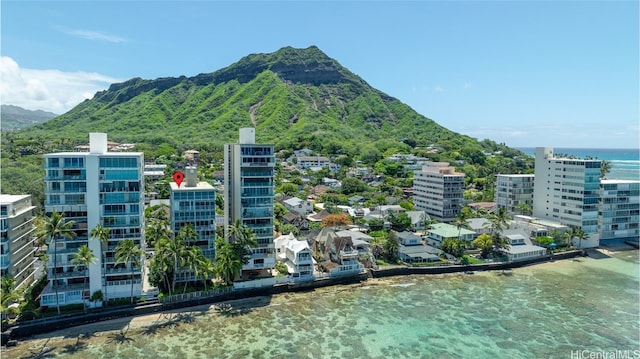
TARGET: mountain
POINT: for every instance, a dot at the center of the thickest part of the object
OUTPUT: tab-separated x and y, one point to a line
15	117
294	97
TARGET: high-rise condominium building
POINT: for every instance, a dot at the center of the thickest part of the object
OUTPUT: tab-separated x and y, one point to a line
17	246
567	190
619	211
194	203
514	192
249	192
439	191
92	188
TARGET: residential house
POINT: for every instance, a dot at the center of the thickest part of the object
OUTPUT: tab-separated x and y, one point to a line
441	231
418	219
479	226
339	254
412	250
297	220
300	206
296	255
520	249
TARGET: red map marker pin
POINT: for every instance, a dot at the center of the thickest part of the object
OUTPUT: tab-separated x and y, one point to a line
178	177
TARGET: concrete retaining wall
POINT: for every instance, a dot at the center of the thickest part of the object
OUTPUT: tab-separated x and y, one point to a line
40	326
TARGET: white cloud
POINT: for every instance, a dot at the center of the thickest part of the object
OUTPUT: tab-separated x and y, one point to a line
467	86
92	35
438	89
48	90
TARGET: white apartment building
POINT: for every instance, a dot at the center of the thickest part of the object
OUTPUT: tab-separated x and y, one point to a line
194	203
567	190
249	194
514	190
92	188
439	191
17	246
305	162
619	211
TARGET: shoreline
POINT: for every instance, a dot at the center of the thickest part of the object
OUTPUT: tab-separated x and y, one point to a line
117	329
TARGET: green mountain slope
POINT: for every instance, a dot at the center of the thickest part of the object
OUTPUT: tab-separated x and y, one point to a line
294	97
14	117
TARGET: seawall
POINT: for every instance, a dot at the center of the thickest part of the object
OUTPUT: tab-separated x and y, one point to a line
443	269
40	326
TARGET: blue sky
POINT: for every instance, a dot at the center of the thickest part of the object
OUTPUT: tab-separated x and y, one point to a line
526	73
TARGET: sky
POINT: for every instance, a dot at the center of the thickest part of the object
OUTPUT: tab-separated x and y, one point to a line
523	73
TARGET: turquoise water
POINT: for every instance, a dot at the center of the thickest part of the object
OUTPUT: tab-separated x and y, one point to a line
625	162
542	311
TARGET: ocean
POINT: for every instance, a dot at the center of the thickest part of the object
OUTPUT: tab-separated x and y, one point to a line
551	310
625	163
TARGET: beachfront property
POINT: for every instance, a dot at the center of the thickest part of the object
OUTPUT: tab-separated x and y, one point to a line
513	191
194	203
439	191
98	187
18	243
520	249
249	194
339	253
438	232
567	190
619	211
296	255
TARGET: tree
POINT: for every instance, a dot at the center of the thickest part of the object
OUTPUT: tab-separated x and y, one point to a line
352	185
101	233
579	234
228	263
605	168
82	258
455	247
56	228
129	252
335	220
242	239
499	220
461	222
377	246
524	208
391	246
485	243
8	295
400	222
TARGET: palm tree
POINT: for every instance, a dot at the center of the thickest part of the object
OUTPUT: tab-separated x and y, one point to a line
54	229
605	168
524	208
579	234
101	233
9	295
82	258
461	222
242	239
129	252
392	245
228	263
